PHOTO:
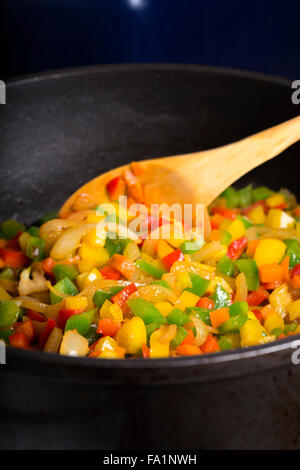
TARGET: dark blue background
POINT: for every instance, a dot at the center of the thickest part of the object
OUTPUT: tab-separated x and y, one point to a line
254	35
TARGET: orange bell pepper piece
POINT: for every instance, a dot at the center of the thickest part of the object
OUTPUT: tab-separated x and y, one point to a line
271	273
217	317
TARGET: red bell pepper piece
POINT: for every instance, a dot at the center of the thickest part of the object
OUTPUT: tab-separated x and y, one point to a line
296	270
257	297
36	316
205	302
14	258
122	296
272	285
108	272
228	213
170	259
262	203
64	314
282	206
115	187
13	244
27	328
108	327
19	340
51	323
237	247
145	351
258	315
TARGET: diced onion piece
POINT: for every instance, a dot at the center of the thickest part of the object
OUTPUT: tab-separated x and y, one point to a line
37	284
54	340
73	344
241	288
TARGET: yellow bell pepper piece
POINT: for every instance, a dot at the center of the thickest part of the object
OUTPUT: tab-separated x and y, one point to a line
253	333
221	281
99	255
80	280
95	238
94	218
163	249
257	215
277	218
272	321
132	335
4	295
298	229
183	280
269	250
294	310
164	307
225	224
236	229
275	200
110	310
280	299
76	303
158	349
73	344
85	266
92	276
107	354
188	299
107	343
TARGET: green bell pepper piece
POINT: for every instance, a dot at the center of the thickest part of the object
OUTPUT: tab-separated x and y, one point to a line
238	307
201	313
277	332
146	311
246	222
150	268
151	327
250	269
262	192
180	336
178	317
226	266
10	228
245	196
232	197
92	334
159	282
65	286
234	323
81	322
293	251
8	273
49	216
34	231
9	312
113	246
61	271
225	343
5	334
226	238
290	327
220	297
199	286
101	295
190	247
35	248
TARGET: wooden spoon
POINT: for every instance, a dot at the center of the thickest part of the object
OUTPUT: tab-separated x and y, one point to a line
197	177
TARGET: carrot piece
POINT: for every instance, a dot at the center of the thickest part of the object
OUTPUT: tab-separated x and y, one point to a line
135	189
123	264
19	340
138	168
26	327
145	351
108	327
205	302
271	273
189	339
210	345
188	350
252	245
48	265
265	311
285	264
295	282
217	317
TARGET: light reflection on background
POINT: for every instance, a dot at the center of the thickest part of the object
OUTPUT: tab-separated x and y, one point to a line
137	3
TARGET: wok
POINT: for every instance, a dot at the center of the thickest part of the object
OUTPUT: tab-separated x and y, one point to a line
59	130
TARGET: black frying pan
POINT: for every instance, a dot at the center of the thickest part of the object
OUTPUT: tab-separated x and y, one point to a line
57	132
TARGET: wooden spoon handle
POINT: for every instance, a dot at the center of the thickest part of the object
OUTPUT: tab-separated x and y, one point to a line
228	163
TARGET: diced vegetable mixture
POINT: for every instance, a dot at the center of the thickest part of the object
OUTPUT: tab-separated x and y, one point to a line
66	288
